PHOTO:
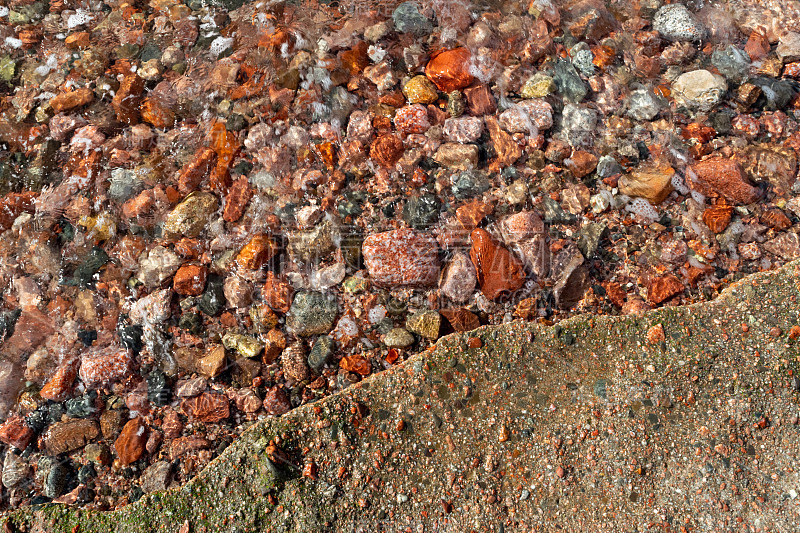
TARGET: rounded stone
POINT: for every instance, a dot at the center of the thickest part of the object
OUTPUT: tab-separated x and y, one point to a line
398	338
311	313
420	90
320	353
676	23
699	89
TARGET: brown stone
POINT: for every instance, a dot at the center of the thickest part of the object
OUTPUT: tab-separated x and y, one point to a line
68	101
557	150
757	46
184	445
15	432
140	205
187	357
412	119
449	69
615	293
190	280
499	271
717	217
128	98
212	364
471	214
60	384
720	176
527	309
110	423
664	288
208	407
30	331
238	196
172	425
402	257
507	150
69	435
154	442
355	60
655	334
386	150
255	254
770	163
80	39
277	293
276	402
457	156
591	20
461	319
480	100
156	113
786	245
273	345
652	184
130	445
13	205
294	364
776	219
246	400
581	163
357	364
192	175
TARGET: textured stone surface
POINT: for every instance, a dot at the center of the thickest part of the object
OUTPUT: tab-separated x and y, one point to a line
69	435
130	444
403	257
449	70
500	273
720	176
699	89
654	185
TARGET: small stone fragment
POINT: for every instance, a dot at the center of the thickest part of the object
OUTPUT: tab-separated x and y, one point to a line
720	176
294	363
498	271
212	364
209	407
130	445
652	184
664	288
68	101
69	435
459	279
398	338
257	252
15	432
403	257
191	216
190	280
449	69
420	90
425	323
311	313
699	89
717	217
457	156
276	402
103	366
